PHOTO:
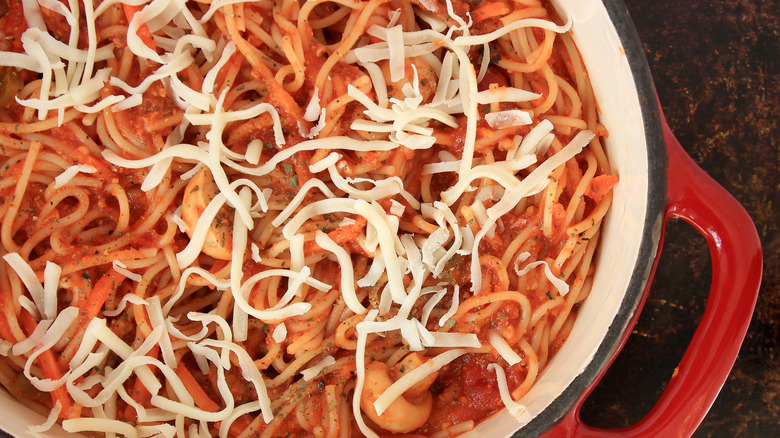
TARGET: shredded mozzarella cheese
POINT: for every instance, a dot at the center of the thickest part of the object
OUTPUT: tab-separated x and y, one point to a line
314	371
518	411
412	377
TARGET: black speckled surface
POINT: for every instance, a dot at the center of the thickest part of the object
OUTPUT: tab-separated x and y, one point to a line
716	66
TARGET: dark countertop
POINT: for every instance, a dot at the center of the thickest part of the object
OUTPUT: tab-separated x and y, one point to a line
716	66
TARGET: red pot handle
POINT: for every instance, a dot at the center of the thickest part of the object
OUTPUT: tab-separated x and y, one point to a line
735	249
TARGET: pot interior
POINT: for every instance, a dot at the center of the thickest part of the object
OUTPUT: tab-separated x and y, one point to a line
624	240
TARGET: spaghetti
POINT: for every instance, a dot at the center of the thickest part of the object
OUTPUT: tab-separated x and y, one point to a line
323	218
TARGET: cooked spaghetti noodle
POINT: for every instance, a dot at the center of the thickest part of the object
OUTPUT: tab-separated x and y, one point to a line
323	218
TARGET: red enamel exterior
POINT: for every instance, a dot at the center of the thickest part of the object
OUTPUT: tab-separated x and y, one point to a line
735	249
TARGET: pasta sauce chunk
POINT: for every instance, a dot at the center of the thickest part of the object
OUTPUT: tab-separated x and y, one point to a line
291	218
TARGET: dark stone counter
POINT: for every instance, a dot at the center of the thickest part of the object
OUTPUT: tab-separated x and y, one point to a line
716	66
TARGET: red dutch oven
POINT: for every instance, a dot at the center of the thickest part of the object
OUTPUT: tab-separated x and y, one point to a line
658	182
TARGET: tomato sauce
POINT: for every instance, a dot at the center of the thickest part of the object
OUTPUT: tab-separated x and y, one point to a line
14	24
466	390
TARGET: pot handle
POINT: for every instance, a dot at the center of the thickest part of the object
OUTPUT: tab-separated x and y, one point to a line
735	249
